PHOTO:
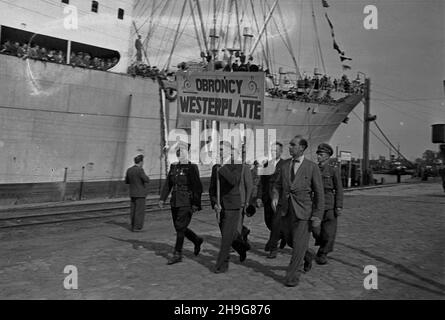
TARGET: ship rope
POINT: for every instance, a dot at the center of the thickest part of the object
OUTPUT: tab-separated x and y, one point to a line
152	25
175	40
198	36
289	46
258	30
300	29
317	38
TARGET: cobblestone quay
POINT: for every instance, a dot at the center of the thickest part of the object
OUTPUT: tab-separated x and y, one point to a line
399	229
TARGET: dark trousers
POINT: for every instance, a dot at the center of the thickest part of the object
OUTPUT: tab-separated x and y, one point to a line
137	213
181	220
297	233
327	233
275	231
229	222
269	214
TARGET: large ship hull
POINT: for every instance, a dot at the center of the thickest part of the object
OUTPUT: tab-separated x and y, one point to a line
70	132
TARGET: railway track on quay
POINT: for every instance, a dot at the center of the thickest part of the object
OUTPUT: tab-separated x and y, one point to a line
78	212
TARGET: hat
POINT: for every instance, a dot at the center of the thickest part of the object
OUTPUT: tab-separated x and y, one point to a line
250	210
324	147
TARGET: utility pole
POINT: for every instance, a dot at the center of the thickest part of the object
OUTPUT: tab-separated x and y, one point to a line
367	118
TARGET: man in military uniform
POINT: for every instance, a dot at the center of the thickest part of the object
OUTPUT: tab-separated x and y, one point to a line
184	183
333	195
138	181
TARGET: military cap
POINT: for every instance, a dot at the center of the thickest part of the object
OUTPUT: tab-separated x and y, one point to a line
324	147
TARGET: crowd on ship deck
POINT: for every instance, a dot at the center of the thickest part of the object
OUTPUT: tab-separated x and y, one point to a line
36	52
317	88
144	70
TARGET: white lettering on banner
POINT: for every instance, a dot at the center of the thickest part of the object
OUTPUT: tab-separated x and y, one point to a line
233	97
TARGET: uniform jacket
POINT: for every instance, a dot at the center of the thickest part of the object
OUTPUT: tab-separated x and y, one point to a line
231	194
333	188
305	192
184	183
138	181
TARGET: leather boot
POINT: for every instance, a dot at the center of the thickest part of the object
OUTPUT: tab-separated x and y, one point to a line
177	257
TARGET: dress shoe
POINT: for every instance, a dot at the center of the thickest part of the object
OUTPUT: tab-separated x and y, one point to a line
243	256
321	259
221	270
308	257
282	243
245	233
198	246
175	259
293	283
136	230
272	254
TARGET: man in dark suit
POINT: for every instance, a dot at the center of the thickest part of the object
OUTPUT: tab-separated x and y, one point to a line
297	193
230	177
138	181
333	195
271	218
184	183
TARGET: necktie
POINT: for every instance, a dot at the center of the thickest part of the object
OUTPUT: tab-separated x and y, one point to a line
292	173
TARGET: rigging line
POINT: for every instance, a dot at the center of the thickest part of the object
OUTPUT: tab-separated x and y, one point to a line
396	97
427	107
220	29
152	27
195	25
229	18
386	138
143	9
164	35
258	30
396	108
291	50
406	100
300	30
238	26
181	33
318	37
206	45
373	133
176	34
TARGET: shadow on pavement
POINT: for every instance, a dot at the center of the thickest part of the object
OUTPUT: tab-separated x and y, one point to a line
266	270
124	225
164	250
398	267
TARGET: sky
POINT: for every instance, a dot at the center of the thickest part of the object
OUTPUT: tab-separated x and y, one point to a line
404	58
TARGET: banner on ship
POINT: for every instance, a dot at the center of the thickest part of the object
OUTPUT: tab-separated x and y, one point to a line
223	96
